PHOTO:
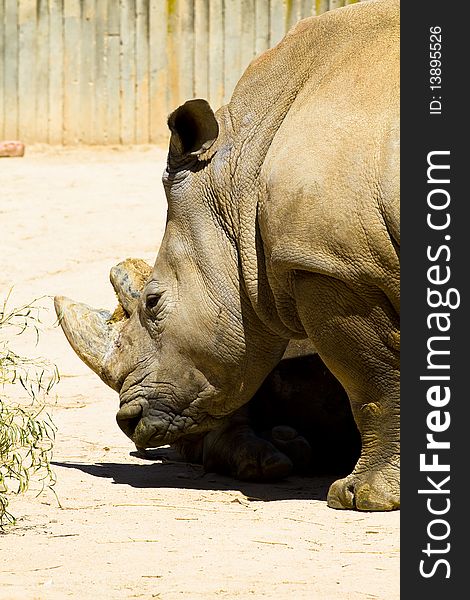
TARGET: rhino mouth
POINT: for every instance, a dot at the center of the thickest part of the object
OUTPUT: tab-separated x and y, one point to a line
150	427
128	418
145	430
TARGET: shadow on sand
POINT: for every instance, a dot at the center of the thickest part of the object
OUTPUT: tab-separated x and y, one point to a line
169	472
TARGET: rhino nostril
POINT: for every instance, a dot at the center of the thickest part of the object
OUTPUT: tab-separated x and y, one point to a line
128	418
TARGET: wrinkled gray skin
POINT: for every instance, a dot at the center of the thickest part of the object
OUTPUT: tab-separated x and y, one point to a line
283	223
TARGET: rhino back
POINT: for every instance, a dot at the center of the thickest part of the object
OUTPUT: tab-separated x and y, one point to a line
330	200
305	133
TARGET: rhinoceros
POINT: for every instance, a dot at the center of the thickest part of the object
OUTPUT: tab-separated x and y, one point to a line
283	224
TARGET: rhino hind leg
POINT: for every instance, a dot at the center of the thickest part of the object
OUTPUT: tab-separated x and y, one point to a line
357	336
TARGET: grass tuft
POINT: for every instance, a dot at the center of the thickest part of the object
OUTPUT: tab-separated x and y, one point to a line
27	432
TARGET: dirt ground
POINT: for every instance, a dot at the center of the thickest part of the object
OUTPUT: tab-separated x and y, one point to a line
128	527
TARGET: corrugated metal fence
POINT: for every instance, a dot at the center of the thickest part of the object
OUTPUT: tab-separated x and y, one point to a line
110	71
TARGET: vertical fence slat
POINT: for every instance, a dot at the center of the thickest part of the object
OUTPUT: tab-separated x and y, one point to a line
172	51
186	49
127	70
262	26
87	84
72	55
42	69
55	91
113	102
158	70
2	66
10	128
142	72
247	38
232	32
216	53
308	8
277	21
335	4
26	70
321	6
294	13
201	48
99	132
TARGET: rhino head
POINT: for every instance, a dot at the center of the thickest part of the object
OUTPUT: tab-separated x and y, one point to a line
185	349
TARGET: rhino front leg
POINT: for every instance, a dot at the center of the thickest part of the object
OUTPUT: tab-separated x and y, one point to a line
237	450
356	333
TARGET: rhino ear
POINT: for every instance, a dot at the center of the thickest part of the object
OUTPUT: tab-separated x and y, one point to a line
194	129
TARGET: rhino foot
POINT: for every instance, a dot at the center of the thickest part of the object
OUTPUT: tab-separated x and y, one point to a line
259	460
369	491
295	446
239	452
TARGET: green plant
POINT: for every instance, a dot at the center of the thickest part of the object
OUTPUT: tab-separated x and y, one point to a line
26	431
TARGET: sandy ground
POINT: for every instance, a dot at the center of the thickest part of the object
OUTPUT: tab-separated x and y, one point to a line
128	527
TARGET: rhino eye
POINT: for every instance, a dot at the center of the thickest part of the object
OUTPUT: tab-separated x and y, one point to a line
152	300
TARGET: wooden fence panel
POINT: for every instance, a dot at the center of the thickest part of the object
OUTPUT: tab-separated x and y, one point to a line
277	21
232	34
185	48
87	82
142	72
99	120
127	71
174	95
2	66
321	6
201	48
26	70
158	32
294	12
335	4
10	69
246	42
42	69
113	80
216	53
110	71
72	53
56	74
261	26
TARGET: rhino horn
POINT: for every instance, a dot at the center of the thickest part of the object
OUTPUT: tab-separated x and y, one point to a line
91	333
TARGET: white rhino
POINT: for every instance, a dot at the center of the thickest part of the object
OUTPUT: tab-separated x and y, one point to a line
283	224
